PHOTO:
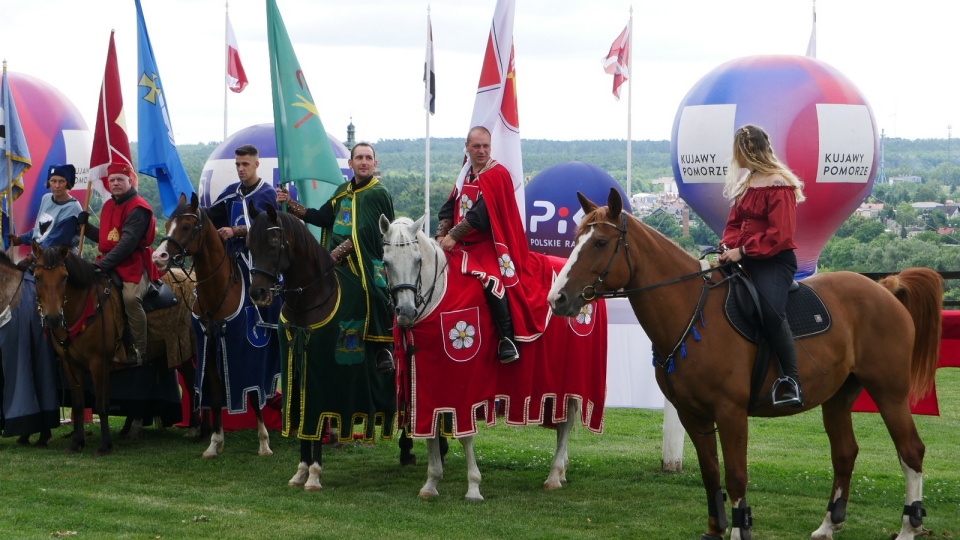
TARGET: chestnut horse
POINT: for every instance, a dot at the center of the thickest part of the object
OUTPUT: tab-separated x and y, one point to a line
884	338
82	309
219	301
328	372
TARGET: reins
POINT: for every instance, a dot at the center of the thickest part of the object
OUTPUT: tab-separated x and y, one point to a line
275	278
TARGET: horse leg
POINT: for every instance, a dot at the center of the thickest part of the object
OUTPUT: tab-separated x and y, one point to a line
101	388
216	391
733	442
838	423
45	436
300	477
263	436
896	415
434	468
77	440
561	459
473	472
407	457
703	436
23	440
316	467
189	372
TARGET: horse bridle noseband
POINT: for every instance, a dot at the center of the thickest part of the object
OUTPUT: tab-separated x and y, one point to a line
421	301
276	279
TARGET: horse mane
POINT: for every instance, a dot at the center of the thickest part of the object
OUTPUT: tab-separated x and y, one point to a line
80	273
601	214
300	235
5	260
182	209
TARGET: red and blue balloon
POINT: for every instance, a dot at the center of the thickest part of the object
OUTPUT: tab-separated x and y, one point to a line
819	124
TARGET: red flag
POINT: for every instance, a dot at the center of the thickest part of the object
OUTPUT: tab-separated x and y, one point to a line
617	61
236	77
495	106
110	142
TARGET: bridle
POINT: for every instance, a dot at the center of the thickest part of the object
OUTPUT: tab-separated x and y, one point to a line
590	292
277	281
421	300
179	260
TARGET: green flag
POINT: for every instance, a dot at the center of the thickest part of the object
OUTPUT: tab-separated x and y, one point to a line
304	152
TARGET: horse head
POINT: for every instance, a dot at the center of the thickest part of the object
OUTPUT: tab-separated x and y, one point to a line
50	273
184	234
411	272
595	260
269	252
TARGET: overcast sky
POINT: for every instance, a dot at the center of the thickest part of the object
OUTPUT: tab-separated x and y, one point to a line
364	59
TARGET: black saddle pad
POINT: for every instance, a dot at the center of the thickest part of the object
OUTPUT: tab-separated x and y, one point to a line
806	313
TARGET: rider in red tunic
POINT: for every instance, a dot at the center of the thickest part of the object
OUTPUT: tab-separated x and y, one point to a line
130	227
480	223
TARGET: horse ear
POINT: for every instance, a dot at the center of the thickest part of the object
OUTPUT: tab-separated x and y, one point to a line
194	201
384	224
64	251
585	203
271	213
614	203
182	200
418	225
37	250
252	210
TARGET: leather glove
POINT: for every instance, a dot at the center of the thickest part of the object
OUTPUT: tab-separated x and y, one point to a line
14	240
83	218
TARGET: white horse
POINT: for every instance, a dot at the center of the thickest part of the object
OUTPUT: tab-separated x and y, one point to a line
418	273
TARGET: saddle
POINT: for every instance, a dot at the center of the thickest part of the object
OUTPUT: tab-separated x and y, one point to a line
159	296
806	314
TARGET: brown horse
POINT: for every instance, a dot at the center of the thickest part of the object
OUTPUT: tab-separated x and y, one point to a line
219	300
884	338
82	310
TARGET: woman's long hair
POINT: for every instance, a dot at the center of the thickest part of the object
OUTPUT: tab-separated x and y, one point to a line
752	153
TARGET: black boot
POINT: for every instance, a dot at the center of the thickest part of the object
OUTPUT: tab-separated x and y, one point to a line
500	310
385	359
786	390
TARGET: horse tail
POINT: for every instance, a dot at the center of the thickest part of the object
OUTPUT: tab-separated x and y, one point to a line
920	290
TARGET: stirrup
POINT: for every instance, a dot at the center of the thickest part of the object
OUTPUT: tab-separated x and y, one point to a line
791	394
385	363
507	351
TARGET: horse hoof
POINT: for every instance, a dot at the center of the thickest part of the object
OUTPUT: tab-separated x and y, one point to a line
316	487
428	494
265	453
209	455
408	460
551	486
474	498
23	441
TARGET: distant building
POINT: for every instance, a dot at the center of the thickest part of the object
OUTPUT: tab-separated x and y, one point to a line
869	210
906	179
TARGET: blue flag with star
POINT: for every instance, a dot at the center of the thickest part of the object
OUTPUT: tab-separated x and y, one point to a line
158	151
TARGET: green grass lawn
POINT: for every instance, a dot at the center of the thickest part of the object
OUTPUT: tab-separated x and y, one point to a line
159	487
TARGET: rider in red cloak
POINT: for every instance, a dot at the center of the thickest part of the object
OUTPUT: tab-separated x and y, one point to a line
480	225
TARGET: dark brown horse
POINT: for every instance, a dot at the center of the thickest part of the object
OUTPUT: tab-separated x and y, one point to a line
884	338
219	299
327	371
82	309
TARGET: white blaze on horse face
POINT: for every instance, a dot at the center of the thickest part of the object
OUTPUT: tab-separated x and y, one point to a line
162	248
561	280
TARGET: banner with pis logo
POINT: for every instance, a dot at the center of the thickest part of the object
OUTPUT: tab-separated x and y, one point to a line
553	210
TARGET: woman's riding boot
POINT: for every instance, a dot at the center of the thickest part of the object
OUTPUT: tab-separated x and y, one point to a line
500	310
786	389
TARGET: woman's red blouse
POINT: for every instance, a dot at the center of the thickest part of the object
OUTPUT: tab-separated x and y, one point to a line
763	221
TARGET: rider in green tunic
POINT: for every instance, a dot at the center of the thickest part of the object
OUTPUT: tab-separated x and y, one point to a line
351	232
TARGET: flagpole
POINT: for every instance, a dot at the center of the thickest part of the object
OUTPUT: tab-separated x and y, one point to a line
226	63
630	109
426	113
8	192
